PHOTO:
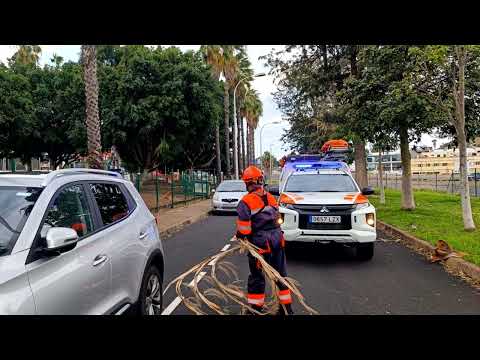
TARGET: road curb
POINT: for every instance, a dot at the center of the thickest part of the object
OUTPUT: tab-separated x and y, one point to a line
457	265
180	225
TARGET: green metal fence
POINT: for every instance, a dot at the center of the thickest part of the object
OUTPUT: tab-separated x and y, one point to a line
167	191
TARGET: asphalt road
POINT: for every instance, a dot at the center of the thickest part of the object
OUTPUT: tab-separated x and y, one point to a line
396	281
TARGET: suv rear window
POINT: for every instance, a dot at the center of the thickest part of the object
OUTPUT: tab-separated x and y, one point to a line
111	202
320	183
16	205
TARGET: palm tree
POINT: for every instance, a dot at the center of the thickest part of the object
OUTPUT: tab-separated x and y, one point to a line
245	74
230	71
27	54
92	119
253	110
213	56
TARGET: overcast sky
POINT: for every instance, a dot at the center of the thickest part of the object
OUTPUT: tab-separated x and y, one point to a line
264	85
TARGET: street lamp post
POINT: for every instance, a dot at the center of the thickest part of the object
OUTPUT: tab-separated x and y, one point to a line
235	129
261	130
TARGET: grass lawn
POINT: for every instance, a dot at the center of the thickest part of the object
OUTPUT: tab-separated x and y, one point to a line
437	216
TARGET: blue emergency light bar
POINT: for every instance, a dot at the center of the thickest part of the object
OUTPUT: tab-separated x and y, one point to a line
322	165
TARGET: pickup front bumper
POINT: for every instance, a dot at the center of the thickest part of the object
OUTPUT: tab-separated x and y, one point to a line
356	231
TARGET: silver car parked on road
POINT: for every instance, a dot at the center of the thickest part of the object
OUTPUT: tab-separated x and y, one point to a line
77	241
227	195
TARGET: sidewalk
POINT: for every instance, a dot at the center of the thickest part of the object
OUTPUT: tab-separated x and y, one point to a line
172	220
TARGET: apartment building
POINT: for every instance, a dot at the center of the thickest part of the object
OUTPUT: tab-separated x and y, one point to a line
445	161
426	160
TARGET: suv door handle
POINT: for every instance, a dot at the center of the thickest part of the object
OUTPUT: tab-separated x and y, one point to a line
99	259
143	235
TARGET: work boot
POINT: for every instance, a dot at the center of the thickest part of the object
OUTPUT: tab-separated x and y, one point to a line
281	310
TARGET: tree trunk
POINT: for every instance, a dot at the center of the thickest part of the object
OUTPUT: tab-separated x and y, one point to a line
226	103
380	175
249	144
468	222
408	201
94	142
242	136
253	145
217	150
239	144
361	165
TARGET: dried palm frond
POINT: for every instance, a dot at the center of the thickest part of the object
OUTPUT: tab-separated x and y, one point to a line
232	291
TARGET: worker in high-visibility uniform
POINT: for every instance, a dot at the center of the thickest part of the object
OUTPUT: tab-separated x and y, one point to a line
258	222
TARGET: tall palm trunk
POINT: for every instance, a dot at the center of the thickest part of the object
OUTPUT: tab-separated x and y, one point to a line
252	144
226	105
217	149
249	150
239	140
242	135
94	142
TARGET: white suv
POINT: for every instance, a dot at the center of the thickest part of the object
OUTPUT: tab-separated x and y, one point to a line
77	241
326	205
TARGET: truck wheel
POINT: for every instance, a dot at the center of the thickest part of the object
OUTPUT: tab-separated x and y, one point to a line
365	251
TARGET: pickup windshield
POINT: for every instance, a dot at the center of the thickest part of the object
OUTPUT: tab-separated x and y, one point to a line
320	183
16	205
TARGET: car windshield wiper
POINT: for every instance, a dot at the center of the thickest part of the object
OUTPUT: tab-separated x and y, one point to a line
7	225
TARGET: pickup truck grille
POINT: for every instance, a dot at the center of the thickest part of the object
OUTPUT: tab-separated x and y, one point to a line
344	211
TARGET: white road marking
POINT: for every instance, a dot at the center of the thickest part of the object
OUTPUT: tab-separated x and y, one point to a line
225	248
177	301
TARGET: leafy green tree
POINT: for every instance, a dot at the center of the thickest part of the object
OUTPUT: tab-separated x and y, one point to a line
212	54
160	106
451	80
309	77
42	112
385	104
59	103
268	159
16	115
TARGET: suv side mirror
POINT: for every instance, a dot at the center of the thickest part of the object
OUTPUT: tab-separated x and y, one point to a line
368	190
60	237
274	190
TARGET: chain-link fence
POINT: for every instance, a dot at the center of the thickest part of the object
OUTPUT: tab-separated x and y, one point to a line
434	182
160	190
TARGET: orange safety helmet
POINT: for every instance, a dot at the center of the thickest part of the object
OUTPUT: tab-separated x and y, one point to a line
252	174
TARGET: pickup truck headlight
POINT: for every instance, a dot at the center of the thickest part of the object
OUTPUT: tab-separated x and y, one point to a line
286	206
370	218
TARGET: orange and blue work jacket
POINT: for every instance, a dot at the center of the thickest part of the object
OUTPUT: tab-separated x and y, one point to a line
257	212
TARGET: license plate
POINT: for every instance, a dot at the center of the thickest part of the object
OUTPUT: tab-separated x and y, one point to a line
326	219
